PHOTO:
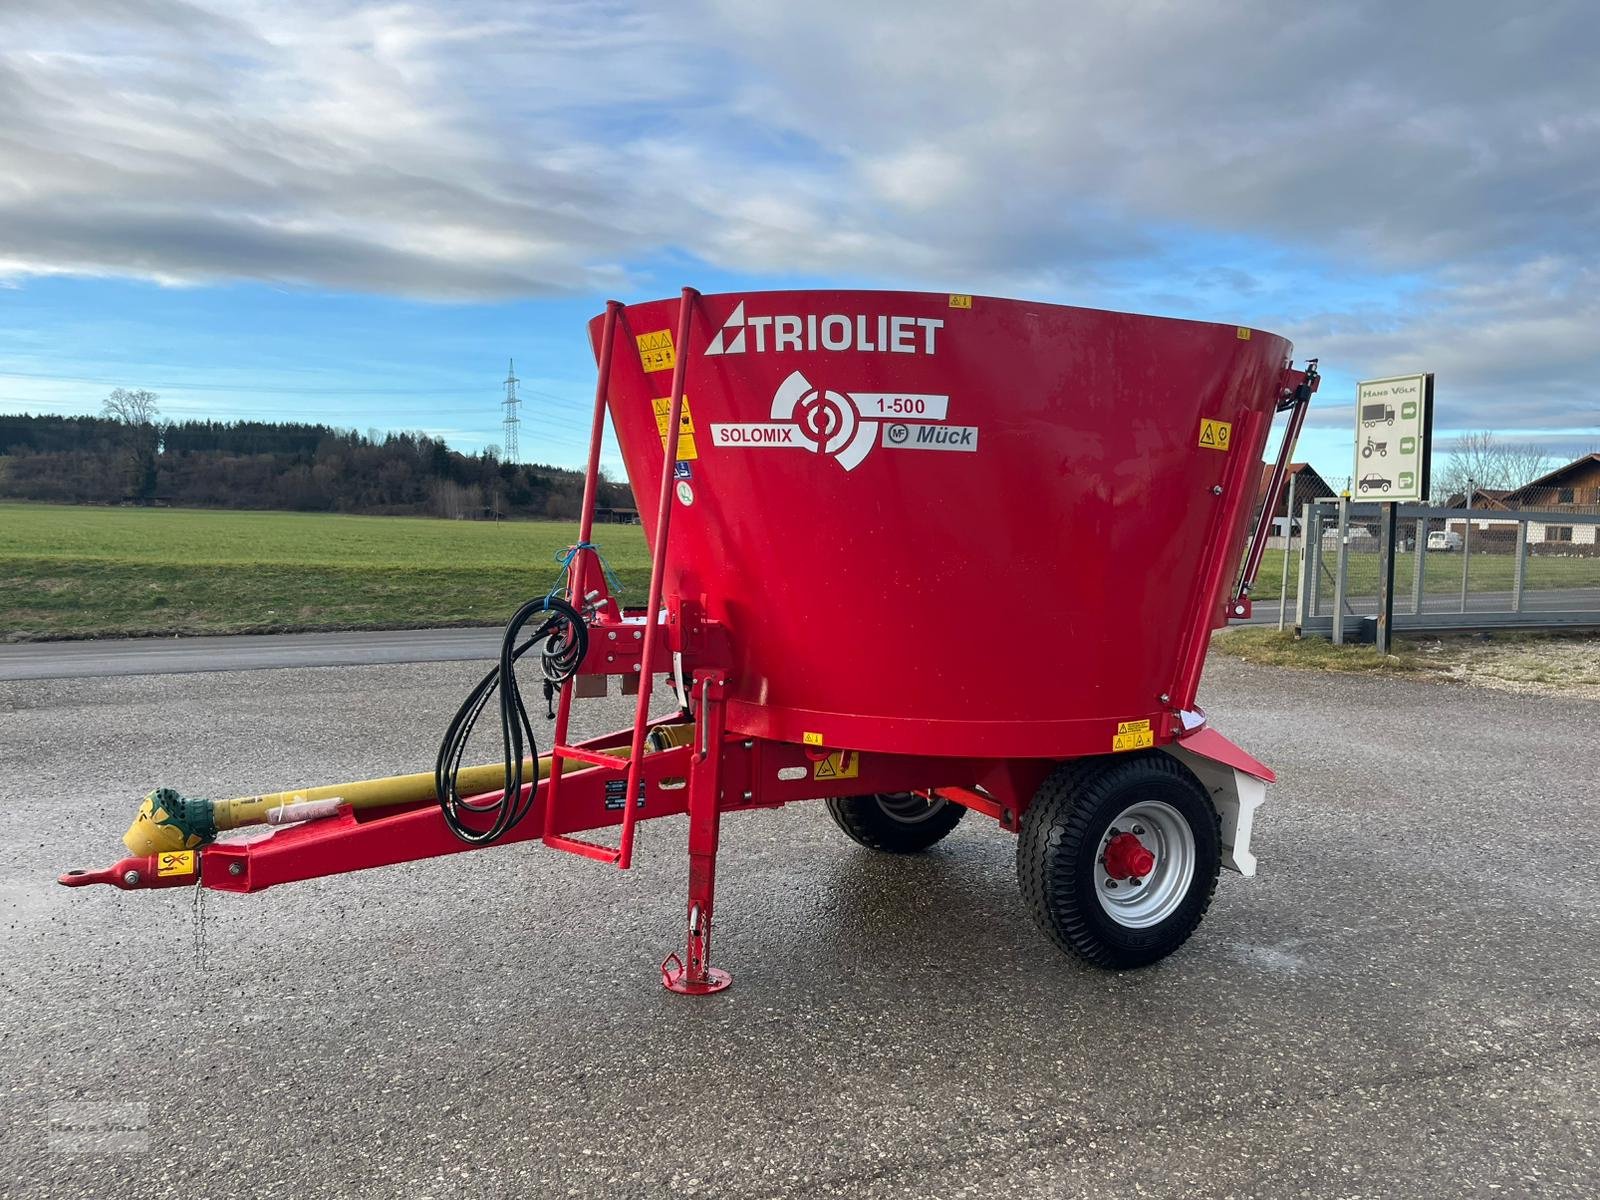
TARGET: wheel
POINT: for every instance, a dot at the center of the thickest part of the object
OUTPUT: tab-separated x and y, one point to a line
895	822
1366	452
1118	858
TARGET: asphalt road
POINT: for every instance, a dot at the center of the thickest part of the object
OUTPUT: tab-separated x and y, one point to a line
161	656
1404	1004
181	655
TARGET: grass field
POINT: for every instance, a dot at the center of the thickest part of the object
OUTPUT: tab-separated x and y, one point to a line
1441	573
69	571
1556	664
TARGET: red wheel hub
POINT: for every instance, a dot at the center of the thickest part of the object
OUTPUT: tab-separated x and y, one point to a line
1126	856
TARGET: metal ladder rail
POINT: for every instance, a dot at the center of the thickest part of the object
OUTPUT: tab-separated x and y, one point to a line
622	856
658	565
577	576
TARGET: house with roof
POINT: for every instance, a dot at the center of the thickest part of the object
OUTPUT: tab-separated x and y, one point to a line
1308	486
1573	488
1485	503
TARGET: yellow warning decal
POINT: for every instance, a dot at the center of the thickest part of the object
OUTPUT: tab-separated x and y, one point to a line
960	301
686	447
655	350
1215	435
1133	735
841	764
175	862
1244	334
811	739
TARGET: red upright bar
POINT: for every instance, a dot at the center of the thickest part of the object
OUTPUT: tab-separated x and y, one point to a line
577	570
658	564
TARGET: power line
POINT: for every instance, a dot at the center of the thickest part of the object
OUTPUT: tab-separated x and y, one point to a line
512	453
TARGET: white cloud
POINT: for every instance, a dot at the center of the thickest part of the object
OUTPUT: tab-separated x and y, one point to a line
479	150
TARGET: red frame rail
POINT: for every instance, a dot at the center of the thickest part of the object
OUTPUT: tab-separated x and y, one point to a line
577	574
658	567
719	773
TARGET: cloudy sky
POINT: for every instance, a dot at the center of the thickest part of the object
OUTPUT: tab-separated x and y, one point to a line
356	212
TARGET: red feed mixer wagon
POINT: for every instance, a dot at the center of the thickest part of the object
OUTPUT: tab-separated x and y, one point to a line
913	555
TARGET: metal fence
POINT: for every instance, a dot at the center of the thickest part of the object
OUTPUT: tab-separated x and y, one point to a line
1454	569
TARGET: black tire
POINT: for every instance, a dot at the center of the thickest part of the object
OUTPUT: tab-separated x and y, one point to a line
894	822
1060	846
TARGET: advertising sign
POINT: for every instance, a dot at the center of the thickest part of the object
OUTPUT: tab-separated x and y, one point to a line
1394	439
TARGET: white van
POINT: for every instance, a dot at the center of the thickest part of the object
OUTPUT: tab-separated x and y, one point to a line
1443	539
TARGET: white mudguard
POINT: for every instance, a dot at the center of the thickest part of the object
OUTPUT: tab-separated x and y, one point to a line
1237	784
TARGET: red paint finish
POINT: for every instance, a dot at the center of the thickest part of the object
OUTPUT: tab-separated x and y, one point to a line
724	775
1127	858
692	974
1208	743
648	661
172	869
884	485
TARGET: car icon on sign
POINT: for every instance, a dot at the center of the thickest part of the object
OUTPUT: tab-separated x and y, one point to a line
1373	483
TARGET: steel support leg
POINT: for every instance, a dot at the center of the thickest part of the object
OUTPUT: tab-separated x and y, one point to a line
693	975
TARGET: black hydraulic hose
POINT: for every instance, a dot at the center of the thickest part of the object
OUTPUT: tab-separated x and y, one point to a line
563	639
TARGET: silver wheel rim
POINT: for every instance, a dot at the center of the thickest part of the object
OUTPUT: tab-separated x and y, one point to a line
1162	830
907	808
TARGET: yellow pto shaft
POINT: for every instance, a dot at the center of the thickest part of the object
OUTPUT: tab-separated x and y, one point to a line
168	820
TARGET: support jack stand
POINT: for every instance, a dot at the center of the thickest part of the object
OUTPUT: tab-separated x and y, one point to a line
676	978
696	979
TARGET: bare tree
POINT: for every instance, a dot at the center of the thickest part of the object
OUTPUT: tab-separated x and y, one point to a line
1524	463
138	411
611	493
137	407
1488	462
